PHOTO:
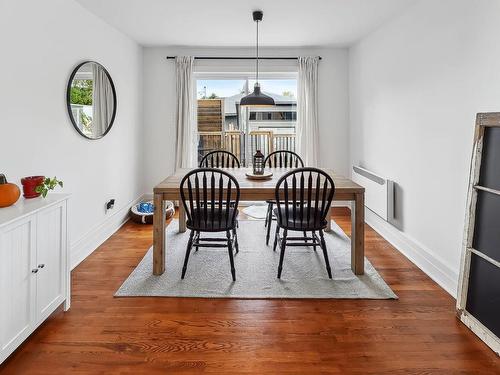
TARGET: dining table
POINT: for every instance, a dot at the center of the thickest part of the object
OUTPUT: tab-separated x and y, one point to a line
252	190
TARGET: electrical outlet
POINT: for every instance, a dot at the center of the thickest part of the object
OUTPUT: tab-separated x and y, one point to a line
110	204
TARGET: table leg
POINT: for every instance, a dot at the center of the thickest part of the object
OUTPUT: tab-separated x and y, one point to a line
159	235
182	218
358	235
329	220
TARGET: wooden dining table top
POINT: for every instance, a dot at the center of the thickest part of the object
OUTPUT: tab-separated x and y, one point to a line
259	189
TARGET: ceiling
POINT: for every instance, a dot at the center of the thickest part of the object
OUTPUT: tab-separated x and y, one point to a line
221	23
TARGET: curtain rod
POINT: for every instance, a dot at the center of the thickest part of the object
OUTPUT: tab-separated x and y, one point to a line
238	58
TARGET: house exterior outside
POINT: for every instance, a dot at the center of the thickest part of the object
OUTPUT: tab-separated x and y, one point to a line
223	124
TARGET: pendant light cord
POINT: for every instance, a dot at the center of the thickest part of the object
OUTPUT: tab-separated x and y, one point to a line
257	61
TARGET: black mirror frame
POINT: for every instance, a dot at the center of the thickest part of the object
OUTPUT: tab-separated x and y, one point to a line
68	99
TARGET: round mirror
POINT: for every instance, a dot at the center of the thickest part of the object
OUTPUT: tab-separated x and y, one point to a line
91	100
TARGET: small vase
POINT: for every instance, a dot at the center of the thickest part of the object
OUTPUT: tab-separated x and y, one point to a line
29	185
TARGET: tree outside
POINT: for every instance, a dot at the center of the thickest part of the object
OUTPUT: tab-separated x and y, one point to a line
211	96
81	92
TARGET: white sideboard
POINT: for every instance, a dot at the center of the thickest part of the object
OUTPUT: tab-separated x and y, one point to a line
34	266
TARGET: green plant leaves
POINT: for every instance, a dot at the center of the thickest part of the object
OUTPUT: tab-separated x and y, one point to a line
48	184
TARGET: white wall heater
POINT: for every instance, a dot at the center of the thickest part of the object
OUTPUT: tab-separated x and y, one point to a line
379	192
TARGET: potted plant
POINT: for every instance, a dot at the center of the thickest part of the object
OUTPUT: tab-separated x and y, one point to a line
29	185
48	184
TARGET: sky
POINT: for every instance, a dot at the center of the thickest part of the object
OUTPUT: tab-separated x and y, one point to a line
228	87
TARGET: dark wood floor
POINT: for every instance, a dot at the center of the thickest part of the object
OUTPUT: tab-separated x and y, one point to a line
417	334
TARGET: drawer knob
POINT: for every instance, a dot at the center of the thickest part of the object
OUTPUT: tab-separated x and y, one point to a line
34	270
41	265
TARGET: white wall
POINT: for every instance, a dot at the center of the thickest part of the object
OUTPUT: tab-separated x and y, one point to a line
416	85
41	42
159	103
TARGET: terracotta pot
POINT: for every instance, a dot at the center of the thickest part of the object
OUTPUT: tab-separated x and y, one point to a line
9	193
29	185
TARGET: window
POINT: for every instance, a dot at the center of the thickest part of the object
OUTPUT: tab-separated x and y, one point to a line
223	124
81	102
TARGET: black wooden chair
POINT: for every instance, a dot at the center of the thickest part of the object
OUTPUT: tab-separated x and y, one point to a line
210	197
220	159
303	197
279	159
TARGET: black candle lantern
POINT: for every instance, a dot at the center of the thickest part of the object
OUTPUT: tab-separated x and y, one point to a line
258	163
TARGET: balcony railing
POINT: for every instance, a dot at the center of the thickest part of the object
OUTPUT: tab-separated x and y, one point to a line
244	147
284	142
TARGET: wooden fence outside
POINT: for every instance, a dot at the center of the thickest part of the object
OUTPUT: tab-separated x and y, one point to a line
210	115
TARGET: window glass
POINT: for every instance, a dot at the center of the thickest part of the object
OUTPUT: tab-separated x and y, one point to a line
223	124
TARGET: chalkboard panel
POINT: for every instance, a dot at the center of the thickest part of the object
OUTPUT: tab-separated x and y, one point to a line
487	225
483	297
490	162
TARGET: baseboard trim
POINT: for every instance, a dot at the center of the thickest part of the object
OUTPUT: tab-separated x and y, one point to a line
86	245
422	257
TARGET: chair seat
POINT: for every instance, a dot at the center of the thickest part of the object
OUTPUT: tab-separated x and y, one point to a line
213	222
301	222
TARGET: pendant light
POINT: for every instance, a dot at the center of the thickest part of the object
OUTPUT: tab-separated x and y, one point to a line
257	98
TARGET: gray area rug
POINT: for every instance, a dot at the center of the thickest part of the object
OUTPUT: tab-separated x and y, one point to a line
256	211
208	273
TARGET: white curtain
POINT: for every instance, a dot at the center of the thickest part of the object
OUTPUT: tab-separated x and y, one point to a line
307	111
102	101
186	113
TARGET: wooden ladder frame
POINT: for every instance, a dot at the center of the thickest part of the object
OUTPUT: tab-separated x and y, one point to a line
483	121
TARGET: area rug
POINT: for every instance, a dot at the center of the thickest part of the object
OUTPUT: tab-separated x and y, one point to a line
208	273
256	211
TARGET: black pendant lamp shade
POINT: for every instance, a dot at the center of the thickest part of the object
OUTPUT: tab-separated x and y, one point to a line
257	98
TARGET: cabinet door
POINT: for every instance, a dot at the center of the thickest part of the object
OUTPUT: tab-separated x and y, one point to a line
17	284
50	260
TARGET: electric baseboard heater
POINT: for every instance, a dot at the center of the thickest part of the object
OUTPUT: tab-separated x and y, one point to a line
379	192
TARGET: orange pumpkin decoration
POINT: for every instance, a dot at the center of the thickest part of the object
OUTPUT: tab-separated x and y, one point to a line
9	193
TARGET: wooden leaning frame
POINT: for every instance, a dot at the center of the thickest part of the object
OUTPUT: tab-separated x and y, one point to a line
483	120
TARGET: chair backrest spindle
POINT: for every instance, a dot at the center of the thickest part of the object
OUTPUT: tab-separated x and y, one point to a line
210	197
283	159
220	159
311	191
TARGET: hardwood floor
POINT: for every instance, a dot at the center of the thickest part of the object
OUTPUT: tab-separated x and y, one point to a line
417	334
